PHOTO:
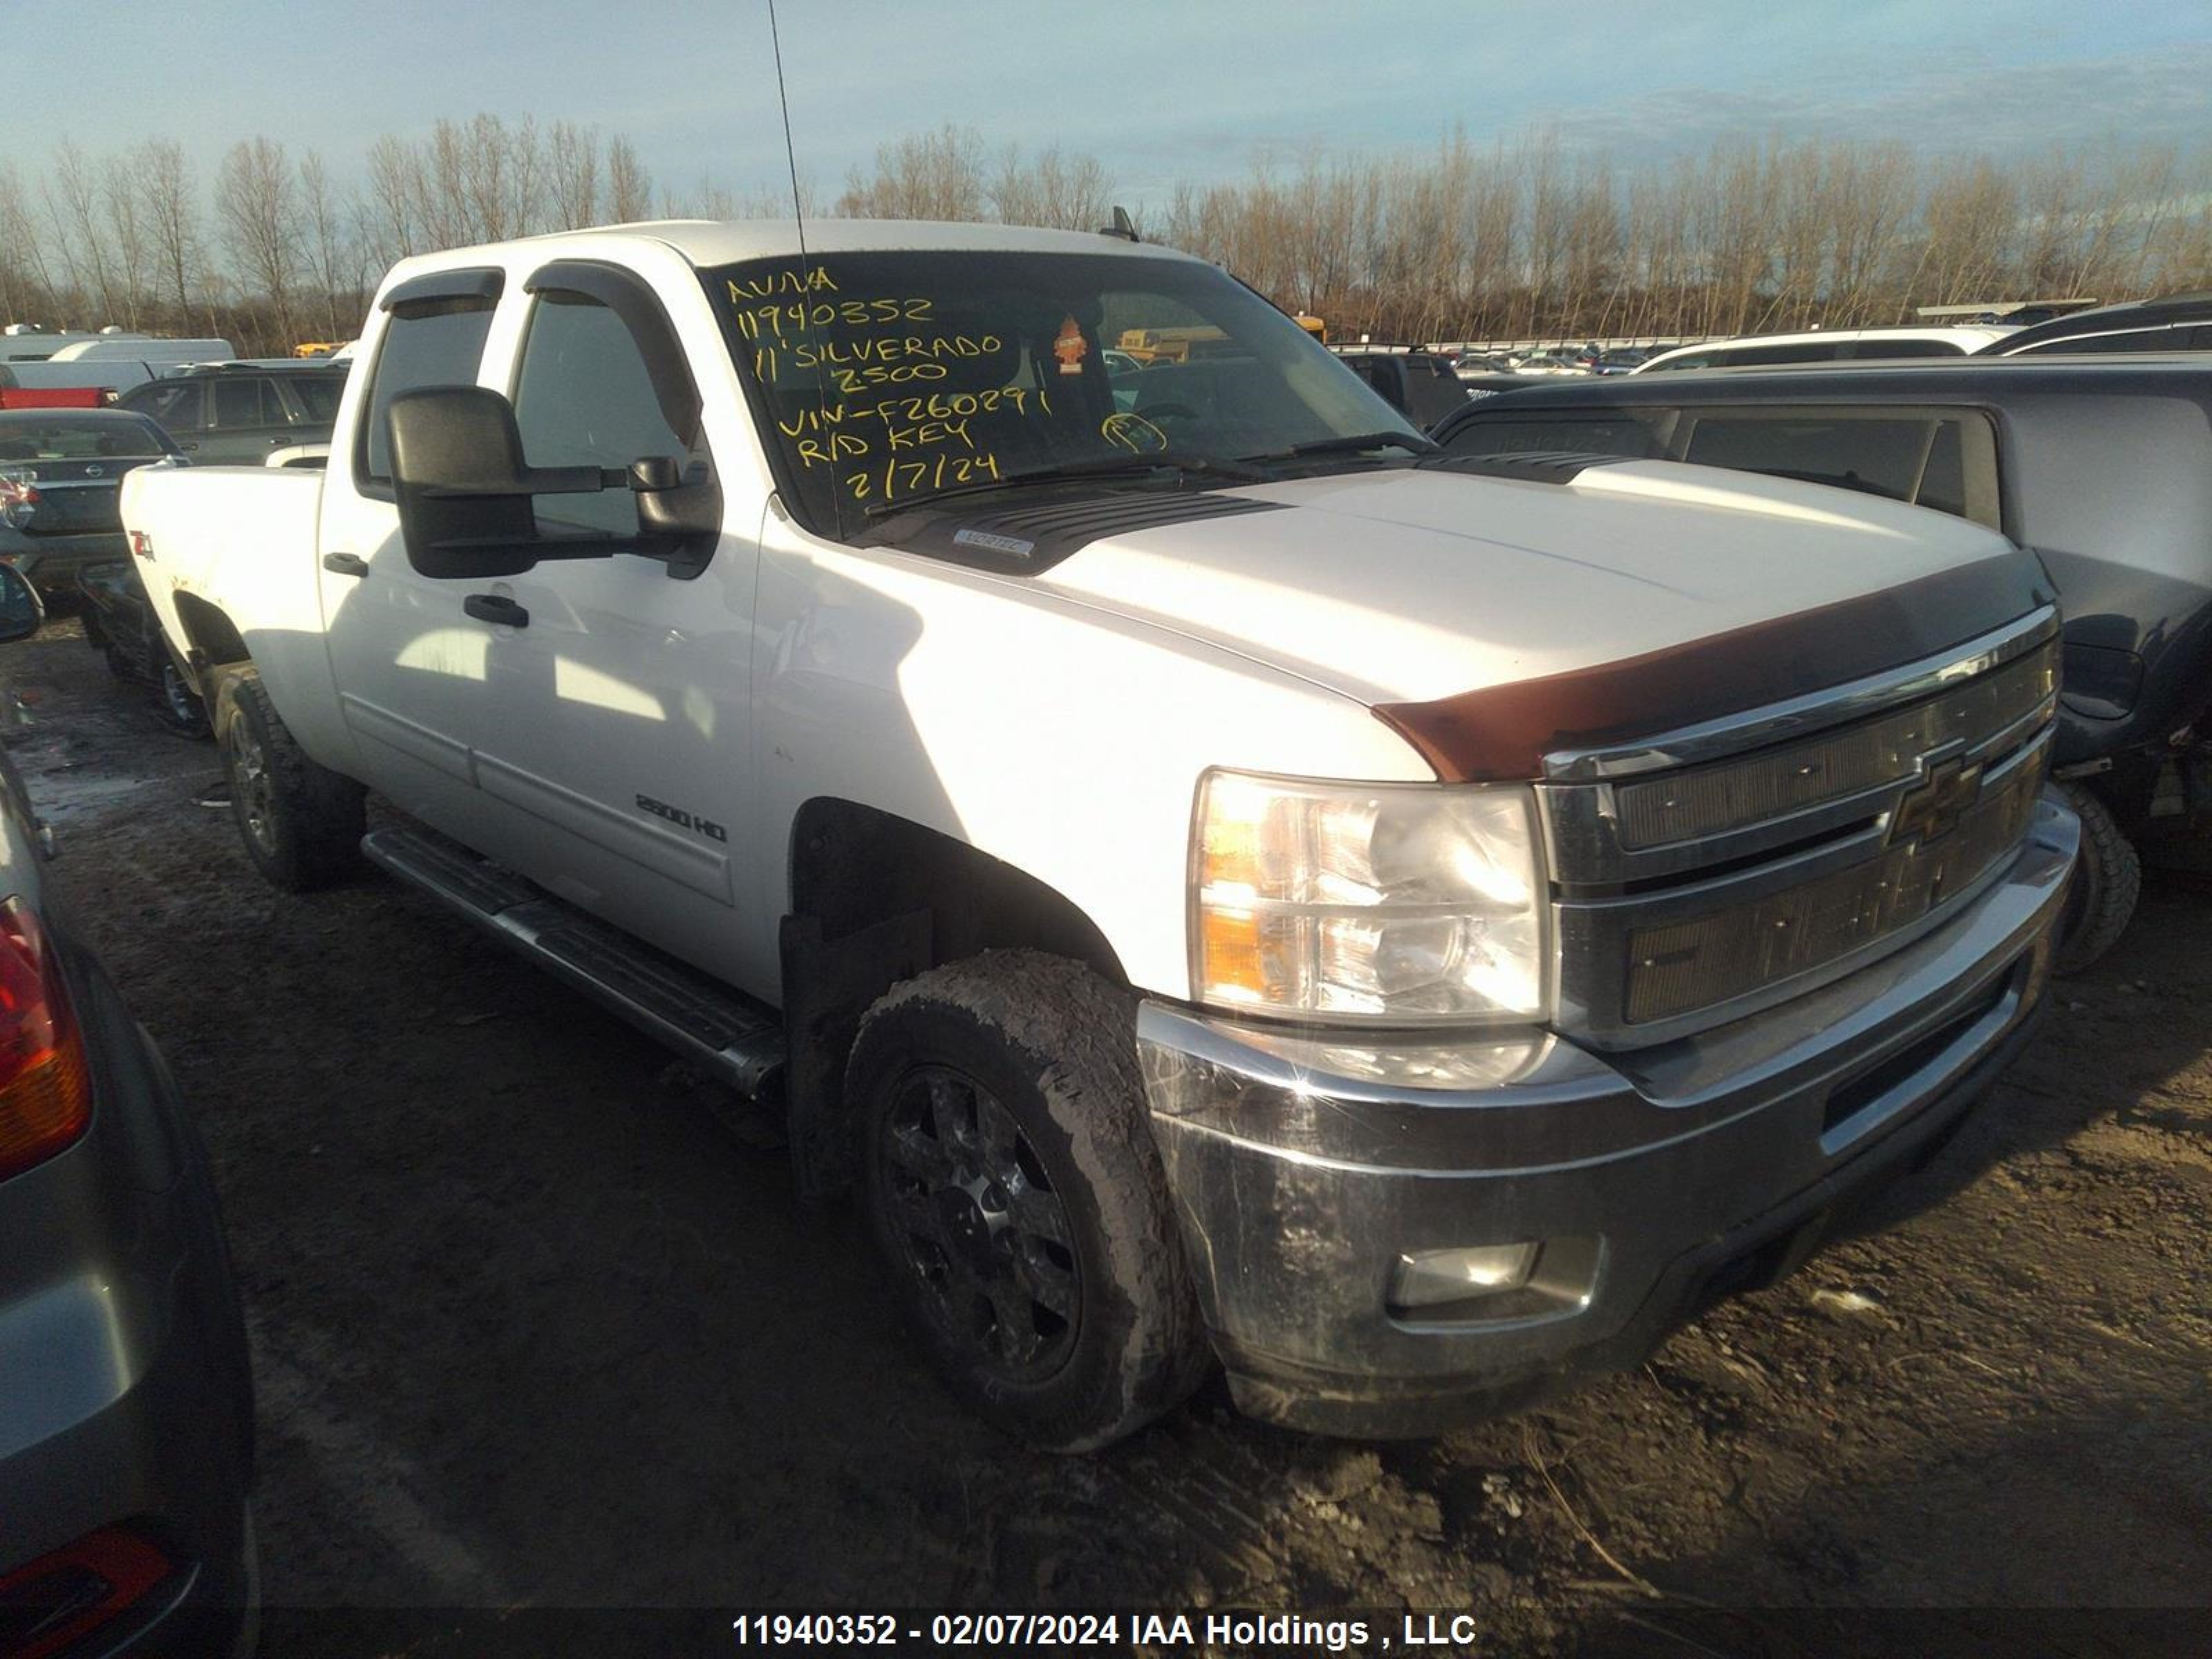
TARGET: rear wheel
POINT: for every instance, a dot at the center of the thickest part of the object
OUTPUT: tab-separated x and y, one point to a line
302	823
2107	881
1018	1198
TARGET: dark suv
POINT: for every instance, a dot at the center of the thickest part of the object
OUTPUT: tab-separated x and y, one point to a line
2102	465
231	413
2179	322
1422	386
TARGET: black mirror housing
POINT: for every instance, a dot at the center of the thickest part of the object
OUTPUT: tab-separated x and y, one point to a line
464	490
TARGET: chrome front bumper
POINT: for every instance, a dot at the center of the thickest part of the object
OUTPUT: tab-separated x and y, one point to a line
1304	1167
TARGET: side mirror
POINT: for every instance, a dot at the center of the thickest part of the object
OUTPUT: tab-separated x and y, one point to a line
464	490
21	610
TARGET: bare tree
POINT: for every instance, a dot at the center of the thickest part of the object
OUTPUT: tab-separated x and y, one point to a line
326	244
72	190
630	186
254	202
573	175
168	207
929	175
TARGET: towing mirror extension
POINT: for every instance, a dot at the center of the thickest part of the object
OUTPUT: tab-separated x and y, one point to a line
466	493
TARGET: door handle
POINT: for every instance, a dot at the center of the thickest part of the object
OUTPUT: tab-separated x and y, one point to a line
346	564
493	608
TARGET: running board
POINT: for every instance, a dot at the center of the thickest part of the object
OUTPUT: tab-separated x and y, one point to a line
737	1039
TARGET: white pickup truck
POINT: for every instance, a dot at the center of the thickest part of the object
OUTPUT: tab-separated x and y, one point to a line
1221	879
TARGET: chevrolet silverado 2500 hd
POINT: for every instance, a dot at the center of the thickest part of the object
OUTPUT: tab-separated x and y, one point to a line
1220	878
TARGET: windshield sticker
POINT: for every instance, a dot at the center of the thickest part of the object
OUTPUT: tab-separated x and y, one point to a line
1071	348
1013	544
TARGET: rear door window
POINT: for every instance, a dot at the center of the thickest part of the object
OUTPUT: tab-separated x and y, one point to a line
319	395
1433	391
1614	433
1945	460
174	405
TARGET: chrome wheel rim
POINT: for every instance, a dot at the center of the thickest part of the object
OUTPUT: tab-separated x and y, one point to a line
976	1224
249	785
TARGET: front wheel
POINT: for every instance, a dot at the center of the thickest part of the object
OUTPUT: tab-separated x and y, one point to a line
1018	1198
302	823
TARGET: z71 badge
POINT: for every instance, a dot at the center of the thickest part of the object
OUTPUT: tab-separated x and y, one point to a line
681	819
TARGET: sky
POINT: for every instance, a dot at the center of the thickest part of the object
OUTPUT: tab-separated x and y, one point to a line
1159	91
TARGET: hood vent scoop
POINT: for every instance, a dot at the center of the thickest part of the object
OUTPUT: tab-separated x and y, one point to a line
1026	539
1552	466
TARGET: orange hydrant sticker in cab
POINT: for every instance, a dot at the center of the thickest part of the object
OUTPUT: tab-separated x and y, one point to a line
1071	348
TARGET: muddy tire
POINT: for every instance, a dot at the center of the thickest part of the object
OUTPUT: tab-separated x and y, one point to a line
302	823
1012	1185
2107	881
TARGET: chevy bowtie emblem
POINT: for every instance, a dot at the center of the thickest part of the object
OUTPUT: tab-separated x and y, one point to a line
1931	809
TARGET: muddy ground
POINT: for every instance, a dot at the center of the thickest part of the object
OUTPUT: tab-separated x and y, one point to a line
532	1326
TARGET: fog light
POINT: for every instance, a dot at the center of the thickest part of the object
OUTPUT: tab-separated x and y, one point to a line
1432	1278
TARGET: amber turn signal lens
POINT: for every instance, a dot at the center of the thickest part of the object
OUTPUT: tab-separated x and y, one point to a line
45	1090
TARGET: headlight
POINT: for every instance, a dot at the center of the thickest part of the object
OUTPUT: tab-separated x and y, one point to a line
1397	904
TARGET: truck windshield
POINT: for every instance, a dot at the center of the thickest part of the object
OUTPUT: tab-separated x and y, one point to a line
883	378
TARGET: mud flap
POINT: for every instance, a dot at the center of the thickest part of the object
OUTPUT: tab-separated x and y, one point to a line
828	986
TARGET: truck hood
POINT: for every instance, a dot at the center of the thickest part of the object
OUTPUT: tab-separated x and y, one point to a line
1409	585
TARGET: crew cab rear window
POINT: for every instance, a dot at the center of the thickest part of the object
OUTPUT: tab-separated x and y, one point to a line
428	342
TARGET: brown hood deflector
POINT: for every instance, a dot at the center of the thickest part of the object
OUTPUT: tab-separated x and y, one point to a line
1503	733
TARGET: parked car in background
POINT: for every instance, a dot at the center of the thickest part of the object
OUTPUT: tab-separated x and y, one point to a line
1624	359
120	623
228	413
1422	386
2179	322
60	471
2104	468
126	1406
1828	345
1562	361
104	377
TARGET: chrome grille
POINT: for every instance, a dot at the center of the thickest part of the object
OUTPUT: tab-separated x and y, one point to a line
1707	800
1679	966
1784	848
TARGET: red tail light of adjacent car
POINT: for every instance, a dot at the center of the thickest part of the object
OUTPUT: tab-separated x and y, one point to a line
46	1089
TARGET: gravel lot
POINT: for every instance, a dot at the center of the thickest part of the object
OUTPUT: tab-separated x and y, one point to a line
536	1324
